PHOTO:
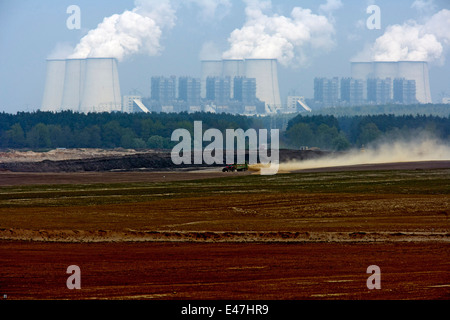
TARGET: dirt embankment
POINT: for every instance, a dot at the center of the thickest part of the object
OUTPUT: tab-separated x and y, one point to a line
77	160
108	236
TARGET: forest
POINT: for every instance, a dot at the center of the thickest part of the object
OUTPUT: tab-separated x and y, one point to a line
47	130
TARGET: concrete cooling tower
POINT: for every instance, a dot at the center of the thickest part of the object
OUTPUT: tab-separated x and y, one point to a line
384	70
233	69
82	85
418	71
210	68
73	84
362	70
410	70
54	85
101	91
265	71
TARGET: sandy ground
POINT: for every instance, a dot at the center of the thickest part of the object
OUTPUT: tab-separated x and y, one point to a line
63	154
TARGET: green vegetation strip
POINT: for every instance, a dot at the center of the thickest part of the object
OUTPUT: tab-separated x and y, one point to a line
429	182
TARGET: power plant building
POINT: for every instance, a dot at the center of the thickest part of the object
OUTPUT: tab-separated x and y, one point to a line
218	90
163	90
264	71
326	91
379	90
232	69
245	90
409	70
352	91
189	90
405	91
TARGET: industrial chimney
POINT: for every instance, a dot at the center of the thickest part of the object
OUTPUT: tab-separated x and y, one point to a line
101	92
54	85
265	71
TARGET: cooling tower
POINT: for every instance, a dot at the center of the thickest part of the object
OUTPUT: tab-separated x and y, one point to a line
418	71
210	68
101	92
265	71
54	85
232	69
362	70
383	70
73	84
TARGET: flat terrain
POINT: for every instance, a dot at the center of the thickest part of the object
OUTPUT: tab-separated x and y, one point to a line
305	235
224	271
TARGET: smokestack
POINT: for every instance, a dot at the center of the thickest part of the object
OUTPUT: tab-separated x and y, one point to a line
54	85
210	68
233	68
101	91
418	71
73	84
265	71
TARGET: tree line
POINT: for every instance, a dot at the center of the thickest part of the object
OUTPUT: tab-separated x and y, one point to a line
45	130
341	133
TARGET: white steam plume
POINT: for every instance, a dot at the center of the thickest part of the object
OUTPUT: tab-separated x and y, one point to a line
415	42
288	39
135	31
330	6
424	6
212	9
139	30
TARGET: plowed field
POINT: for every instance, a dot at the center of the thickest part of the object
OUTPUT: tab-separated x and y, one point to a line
308	235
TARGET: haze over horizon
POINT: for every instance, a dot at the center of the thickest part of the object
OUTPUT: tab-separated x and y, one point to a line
170	37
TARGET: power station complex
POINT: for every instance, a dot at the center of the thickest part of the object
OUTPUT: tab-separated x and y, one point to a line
242	86
401	82
235	86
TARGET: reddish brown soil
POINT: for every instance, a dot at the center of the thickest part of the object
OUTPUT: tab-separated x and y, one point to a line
224	271
37	178
368	229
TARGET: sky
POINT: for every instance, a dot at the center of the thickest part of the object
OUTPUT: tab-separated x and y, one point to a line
309	38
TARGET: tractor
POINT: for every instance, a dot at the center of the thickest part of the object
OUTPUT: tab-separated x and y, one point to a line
235	167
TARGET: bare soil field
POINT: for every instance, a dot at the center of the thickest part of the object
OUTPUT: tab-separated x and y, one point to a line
196	271
305	235
40	178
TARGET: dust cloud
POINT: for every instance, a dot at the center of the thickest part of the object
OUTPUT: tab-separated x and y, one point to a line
426	149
